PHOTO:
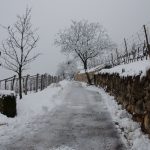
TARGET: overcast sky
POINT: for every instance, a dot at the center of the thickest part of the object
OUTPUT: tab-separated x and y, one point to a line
121	18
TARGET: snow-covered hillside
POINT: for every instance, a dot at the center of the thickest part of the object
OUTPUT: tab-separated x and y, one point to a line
131	69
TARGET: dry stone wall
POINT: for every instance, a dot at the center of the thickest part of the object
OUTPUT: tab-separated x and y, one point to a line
83	78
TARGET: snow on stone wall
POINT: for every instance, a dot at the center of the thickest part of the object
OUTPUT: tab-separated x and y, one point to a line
132	69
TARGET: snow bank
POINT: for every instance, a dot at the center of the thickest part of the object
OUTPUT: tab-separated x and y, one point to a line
132	69
30	107
130	131
6	93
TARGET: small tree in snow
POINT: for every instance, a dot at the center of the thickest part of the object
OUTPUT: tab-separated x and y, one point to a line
67	69
83	40
17	48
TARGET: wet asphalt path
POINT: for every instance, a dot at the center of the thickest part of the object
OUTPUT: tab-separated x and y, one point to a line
81	122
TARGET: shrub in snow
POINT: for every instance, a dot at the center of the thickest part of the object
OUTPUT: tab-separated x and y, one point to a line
8	104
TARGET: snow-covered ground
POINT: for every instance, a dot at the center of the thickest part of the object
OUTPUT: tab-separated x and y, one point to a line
64	116
131	132
131	69
31	106
35	105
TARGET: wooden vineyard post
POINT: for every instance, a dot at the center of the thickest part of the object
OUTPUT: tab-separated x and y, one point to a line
37	82
126	51
41	82
45	77
13	82
30	83
49	79
16	86
52	79
26	84
147	42
5	84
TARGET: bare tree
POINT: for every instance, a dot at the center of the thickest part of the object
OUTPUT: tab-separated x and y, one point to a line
84	40
17	48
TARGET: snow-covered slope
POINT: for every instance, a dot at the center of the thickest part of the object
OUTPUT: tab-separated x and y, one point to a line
132	69
30	107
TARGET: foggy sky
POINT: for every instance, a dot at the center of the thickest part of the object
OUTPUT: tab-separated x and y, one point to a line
120	18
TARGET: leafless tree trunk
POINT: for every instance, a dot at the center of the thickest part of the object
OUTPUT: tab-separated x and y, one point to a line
87	74
17	48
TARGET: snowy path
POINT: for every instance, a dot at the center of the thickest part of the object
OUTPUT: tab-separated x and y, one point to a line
81	122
